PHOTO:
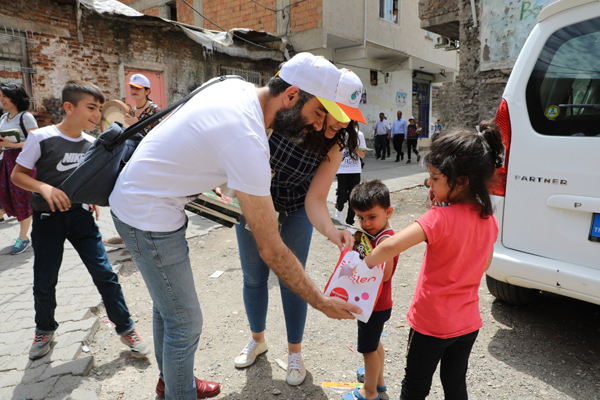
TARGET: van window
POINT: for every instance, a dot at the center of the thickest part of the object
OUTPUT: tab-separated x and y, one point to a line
563	92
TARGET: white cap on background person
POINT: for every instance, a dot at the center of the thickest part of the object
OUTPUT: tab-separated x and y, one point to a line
139	81
411	117
348	95
317	76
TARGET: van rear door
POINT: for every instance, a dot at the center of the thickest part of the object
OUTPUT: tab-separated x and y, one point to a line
553	182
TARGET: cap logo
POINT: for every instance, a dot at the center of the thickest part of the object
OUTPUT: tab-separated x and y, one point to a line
355	96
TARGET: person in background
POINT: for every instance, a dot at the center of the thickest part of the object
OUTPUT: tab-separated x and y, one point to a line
1	151
382	131
15	201
398	132
139	87
348	176
437	130
412	138
444	315
395	16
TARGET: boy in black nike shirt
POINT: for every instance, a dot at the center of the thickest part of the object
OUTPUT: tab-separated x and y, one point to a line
55	151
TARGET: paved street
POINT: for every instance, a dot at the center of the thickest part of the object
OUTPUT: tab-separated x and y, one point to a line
63	372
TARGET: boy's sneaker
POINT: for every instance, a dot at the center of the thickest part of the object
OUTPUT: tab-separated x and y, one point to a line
296	373
41	345
139	348
338	215
20	246
252	350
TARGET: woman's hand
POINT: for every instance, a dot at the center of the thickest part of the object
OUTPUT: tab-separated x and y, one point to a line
130	120
6	143
341	238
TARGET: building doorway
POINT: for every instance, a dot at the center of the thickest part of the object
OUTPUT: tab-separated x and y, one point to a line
420	106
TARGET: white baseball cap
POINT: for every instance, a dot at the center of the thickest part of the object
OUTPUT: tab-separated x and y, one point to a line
317	76
348	95
139	81
411	117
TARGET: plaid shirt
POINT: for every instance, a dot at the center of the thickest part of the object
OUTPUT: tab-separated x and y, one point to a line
293	169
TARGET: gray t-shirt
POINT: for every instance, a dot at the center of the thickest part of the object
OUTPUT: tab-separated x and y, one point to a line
55	156
15	123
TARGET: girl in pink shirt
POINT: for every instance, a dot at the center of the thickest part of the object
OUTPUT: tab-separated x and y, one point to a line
444	314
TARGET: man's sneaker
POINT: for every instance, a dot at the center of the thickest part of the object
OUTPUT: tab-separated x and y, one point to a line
41	345
2	220
418	157
252	350
408	162
139	348
296	373
204	389
20	246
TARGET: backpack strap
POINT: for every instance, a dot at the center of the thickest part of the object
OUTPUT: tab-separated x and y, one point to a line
23	125
138	126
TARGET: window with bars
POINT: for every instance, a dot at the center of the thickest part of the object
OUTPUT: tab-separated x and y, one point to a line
249	75
17	60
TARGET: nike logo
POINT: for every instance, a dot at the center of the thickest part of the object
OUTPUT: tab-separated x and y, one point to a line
69	161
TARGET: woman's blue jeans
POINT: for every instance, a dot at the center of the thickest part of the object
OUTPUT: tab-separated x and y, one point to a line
164	262
296	233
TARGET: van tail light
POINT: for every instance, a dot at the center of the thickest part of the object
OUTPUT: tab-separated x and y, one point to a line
497	184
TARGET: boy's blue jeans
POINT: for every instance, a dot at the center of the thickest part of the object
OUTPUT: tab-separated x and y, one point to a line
48	235
163	259
296	233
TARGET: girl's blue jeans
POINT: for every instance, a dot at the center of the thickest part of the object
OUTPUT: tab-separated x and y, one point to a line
296	233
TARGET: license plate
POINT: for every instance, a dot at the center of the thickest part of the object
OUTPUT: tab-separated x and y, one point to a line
595	229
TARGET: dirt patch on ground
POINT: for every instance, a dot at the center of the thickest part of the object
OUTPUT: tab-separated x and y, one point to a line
544	351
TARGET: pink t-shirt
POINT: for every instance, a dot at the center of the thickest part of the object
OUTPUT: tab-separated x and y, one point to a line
459	243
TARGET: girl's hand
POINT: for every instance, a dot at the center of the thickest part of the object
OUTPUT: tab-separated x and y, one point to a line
342	239
6	143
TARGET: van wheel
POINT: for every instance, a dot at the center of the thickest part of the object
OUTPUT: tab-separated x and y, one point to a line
517	295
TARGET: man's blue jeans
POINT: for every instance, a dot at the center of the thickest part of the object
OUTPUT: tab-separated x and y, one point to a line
48	235
296	233
163	259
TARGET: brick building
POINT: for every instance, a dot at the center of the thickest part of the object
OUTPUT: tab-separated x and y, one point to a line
45	43
491	34
395	58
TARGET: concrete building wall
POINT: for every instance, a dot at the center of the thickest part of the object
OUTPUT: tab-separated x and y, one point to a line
489	45
109	46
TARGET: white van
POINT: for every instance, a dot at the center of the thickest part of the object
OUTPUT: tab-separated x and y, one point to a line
548	194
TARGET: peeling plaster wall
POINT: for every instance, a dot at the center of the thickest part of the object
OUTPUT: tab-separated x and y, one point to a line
109	46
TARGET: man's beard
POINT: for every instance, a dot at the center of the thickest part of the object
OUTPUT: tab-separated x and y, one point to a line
291	123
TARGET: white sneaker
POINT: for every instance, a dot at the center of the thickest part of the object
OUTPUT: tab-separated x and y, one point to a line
252	350
338	215
296	373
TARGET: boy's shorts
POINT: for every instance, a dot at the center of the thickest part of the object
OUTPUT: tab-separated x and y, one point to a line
369	333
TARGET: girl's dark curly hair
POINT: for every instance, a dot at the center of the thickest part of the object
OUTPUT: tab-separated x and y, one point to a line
316	142
17	95
475	156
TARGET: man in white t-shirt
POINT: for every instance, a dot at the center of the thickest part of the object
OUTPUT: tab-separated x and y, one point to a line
219	135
